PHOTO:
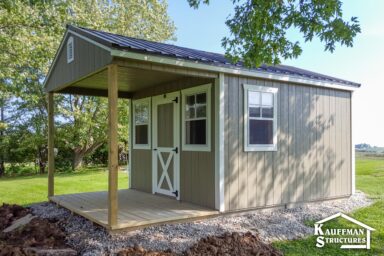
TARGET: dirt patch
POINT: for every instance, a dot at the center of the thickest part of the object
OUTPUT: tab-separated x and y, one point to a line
10	213
228	244
39	235
233	244
140	251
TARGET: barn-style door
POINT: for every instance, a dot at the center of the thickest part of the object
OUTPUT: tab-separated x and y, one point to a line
165	156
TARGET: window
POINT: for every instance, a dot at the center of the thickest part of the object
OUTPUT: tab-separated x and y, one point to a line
70	50
260	118
141	124
196	121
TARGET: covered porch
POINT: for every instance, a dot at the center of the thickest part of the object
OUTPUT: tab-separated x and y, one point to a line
95	70
135	209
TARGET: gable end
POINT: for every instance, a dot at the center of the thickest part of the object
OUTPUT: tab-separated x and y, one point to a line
75	59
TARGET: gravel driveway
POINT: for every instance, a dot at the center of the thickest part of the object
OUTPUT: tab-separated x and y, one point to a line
270	224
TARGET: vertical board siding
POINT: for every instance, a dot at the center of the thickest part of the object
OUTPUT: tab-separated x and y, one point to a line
313	157
284	140
197	169
87	59
227	182
306	143
141	173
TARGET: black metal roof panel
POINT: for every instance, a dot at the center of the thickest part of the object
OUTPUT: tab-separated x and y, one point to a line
178	52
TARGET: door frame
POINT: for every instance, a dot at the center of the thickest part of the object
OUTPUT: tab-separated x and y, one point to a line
174	98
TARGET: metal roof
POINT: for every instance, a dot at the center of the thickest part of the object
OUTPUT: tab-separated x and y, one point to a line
173	51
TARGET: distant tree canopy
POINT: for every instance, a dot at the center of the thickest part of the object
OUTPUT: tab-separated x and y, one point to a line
259	28
30	33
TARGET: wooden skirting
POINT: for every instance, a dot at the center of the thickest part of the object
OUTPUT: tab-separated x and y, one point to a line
136	209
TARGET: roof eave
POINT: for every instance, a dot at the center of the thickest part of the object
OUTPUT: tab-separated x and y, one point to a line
115	52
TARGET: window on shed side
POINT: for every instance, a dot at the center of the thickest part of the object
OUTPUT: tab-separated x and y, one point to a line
260	118
141	116
70	50
196	118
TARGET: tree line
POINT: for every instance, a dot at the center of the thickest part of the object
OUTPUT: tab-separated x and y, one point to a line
30	33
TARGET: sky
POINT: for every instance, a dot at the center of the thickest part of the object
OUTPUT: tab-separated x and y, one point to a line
204	28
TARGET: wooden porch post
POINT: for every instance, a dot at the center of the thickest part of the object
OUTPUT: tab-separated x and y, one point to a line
51	153
112	145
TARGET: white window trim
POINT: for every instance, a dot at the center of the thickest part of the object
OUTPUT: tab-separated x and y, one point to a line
69	58
190	91
259	147
134	103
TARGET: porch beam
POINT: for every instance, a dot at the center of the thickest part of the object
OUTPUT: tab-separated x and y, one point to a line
93	92
112	145
51	153
164	68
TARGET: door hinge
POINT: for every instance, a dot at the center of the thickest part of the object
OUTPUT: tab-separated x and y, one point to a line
176	100
176	150
176	193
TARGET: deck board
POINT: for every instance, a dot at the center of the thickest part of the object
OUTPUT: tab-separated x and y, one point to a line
136	209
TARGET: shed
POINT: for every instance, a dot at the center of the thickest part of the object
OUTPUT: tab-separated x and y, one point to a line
206	136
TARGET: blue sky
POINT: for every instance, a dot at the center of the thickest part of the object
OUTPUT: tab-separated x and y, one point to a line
364	63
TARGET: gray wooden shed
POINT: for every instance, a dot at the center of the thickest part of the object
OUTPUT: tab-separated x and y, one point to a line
206	132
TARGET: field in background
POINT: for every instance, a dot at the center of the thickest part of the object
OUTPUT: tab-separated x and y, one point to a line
370	180
26	190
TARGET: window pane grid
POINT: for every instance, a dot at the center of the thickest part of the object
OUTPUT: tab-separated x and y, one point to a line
141	123
195	118
261	117
142	114
192	106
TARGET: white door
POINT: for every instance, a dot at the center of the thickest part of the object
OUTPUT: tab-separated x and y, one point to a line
166	155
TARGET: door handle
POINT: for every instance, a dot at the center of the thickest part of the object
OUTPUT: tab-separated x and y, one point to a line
176	149
155	149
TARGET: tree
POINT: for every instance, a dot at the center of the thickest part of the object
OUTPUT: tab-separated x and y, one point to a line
3	127
30	33
259	28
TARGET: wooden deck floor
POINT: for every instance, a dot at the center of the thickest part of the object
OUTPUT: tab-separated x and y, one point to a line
136	209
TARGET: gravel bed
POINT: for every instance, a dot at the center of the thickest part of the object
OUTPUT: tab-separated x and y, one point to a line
89	239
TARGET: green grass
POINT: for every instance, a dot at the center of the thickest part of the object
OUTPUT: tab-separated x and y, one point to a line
370	176
26	190
370	180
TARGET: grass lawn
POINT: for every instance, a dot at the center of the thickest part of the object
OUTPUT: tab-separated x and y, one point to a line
31	189
369	179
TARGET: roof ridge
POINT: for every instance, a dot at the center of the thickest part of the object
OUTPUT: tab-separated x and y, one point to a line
149	41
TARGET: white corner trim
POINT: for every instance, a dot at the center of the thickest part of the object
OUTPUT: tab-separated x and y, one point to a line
141	146
250	147
353	157
230	70
219	143
206	88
